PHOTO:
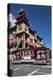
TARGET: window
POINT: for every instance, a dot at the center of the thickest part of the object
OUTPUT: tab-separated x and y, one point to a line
26	45
20	27
31	40
25	29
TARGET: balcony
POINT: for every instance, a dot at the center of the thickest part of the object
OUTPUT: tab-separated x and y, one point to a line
29	42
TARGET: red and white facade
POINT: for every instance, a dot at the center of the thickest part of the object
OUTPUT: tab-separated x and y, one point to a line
24	43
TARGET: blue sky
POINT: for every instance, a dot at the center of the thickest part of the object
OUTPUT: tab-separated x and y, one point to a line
39	18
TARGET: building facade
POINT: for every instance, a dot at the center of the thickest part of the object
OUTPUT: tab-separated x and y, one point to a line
23	42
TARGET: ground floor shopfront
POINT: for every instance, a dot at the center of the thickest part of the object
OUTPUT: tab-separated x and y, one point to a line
31	54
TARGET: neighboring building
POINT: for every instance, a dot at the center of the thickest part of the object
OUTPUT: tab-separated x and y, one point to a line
22	37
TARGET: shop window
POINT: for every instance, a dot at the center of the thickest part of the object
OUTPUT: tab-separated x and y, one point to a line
24	53
21	53
27	52
31	52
